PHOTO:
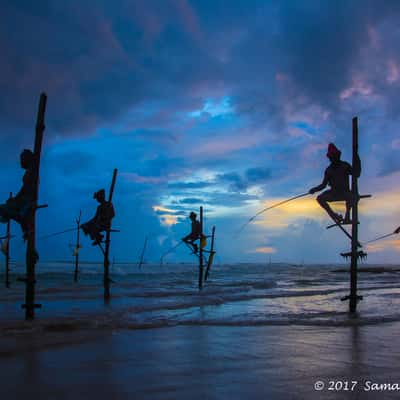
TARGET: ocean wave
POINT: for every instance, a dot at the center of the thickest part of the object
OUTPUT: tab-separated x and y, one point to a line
117	322
213	294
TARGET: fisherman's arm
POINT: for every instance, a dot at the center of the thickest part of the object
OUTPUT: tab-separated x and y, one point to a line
321	186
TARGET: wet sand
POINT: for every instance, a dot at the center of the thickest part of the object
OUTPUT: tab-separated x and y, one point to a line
200	362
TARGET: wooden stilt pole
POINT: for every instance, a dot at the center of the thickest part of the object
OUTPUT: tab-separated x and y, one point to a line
107	246
212	253
354	227
77	247
201	251
355	253
31	254
8	234
142	255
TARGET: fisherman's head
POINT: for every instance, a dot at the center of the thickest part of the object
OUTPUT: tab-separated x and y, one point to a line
193	216
100	196
333	153
26	159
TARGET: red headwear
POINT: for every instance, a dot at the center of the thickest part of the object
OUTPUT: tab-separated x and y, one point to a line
333	151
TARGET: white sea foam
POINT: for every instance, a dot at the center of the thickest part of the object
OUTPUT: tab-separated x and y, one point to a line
235	295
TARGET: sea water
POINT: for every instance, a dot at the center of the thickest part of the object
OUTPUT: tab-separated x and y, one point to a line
167	295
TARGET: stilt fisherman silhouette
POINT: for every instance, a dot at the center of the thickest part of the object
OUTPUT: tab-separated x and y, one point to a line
337	177
102	219
19	207
195	234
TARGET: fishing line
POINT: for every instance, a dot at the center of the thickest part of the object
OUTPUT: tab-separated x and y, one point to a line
170	250
269	208
57	233
381	237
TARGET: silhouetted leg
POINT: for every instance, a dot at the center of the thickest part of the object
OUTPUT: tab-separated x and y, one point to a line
3	214
348	198
189	239
90	228
7	211
19	211
323	200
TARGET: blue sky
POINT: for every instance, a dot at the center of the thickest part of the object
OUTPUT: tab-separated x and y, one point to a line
229	105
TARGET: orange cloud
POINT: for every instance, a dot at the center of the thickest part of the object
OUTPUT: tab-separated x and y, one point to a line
287	214
392	244
168	217
383	203
265	250
168	220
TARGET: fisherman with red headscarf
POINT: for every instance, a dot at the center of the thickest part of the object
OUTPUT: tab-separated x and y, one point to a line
337	177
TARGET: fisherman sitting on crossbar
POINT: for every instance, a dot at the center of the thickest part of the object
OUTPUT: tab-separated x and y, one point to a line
20	206
337	177
102	219
195	234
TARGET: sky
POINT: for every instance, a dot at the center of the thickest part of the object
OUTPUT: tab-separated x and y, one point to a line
225	104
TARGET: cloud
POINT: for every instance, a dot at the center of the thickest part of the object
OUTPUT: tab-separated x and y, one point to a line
389	244
390	163
257	175
231	106
134	177
190	185
191	200
163	209
265	250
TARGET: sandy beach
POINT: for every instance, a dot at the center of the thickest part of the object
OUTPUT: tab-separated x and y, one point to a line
277	362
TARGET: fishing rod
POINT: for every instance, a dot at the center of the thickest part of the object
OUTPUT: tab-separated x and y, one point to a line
381	237
271	207
57	233
169	251
142	254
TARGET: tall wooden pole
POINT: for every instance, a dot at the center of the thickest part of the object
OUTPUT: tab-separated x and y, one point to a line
143	251
354	226
211	255
77	247
8	234
31	254
201	251
107	246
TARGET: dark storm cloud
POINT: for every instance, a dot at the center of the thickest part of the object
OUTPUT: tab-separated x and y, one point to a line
97	62
241	182
94	62
235	181
258	174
